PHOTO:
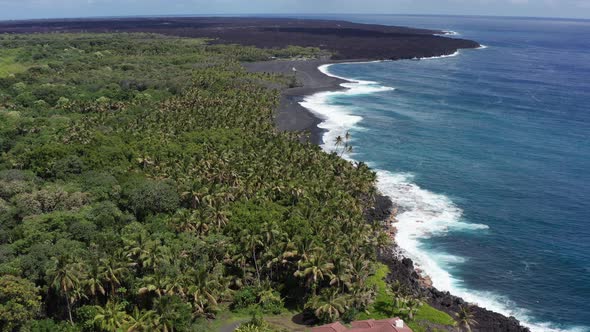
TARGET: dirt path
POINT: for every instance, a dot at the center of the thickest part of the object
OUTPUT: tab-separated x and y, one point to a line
231	326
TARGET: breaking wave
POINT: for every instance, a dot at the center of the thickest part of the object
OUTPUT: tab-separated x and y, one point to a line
422	214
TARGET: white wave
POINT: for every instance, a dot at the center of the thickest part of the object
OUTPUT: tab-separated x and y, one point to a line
423	214
448	33
440	56
337	119
482	47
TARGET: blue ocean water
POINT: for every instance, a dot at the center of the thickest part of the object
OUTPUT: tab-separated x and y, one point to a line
487	153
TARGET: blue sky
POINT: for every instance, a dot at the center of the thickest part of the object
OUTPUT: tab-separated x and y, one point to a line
19	9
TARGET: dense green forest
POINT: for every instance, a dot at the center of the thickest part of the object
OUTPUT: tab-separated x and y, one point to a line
143	186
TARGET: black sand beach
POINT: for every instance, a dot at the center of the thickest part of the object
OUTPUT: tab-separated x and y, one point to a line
291	116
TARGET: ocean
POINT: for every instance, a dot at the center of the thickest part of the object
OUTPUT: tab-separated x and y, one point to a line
487	154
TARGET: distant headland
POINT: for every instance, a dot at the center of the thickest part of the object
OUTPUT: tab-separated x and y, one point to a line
344	40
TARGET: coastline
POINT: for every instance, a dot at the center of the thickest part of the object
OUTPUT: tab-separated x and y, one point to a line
292	116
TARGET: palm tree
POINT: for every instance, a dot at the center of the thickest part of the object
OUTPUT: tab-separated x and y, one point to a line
155	256
397	289
340	276
137	247
344	142
359	269
329	306
66	279
94	283
251	242
184	221
348	149
399	303
112	271
155	283
314	270
218	216
193	195
144	161
338	141
112	317
362	297
204	292
172	313
465	318
412	307
202	226
142	321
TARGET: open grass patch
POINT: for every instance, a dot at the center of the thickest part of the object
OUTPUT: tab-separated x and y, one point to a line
228	319
383	306
429	316
224	320
428	313
8	63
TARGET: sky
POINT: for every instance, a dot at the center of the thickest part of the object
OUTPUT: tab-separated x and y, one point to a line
22	9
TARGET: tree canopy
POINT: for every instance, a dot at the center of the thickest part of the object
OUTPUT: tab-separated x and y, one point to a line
143	185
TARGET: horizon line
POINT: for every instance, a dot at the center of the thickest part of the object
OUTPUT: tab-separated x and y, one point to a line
285	15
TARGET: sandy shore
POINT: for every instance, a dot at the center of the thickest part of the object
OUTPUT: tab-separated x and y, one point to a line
291	116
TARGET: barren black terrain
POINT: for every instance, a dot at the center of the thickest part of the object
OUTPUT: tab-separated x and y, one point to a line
344	39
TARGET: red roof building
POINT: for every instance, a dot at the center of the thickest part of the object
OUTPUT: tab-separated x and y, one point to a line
370	325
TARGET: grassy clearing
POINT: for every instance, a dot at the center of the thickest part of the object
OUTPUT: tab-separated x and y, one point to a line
8	64
284	322
432	315
224	319
382	307
428	315
223	322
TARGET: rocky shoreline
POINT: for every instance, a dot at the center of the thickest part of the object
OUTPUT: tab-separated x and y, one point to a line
410	278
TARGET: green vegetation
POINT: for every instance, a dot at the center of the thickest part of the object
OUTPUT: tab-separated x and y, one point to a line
144	186
431	315
465	318
8	63
257	324
391	301
19	301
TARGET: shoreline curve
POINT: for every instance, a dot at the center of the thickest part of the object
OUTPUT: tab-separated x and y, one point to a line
292	115
423	278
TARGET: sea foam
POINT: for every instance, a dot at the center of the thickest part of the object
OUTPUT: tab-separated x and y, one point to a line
422	213
448	33
441	56
337	120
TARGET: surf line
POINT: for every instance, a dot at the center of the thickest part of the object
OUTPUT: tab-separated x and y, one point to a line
424	213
